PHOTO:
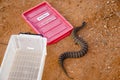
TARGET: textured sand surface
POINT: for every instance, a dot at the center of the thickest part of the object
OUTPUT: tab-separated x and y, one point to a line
102	33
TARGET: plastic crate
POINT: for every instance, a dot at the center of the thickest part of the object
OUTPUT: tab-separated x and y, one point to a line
45	20
24	58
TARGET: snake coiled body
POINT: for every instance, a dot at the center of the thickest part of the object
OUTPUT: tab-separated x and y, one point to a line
75	54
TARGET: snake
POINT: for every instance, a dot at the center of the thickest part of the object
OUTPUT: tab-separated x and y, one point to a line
75	54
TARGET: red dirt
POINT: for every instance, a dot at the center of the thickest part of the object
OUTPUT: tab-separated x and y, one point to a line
102	33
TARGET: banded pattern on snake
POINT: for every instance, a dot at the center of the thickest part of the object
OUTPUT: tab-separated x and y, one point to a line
75	54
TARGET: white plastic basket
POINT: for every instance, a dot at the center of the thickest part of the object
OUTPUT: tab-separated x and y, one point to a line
24	58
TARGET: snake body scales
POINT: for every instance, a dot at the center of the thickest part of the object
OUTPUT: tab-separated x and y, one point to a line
75	54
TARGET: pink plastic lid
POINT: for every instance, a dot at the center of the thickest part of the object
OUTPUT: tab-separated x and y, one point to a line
45	20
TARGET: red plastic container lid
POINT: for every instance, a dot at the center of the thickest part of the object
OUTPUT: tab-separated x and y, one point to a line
45	20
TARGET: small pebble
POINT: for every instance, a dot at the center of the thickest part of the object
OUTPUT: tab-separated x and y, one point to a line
96	6
108	2
113	1
107	18
114	27
108	67
111	14
91	29
108	9
105	26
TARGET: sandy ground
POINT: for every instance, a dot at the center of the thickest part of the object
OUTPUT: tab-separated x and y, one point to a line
102	33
